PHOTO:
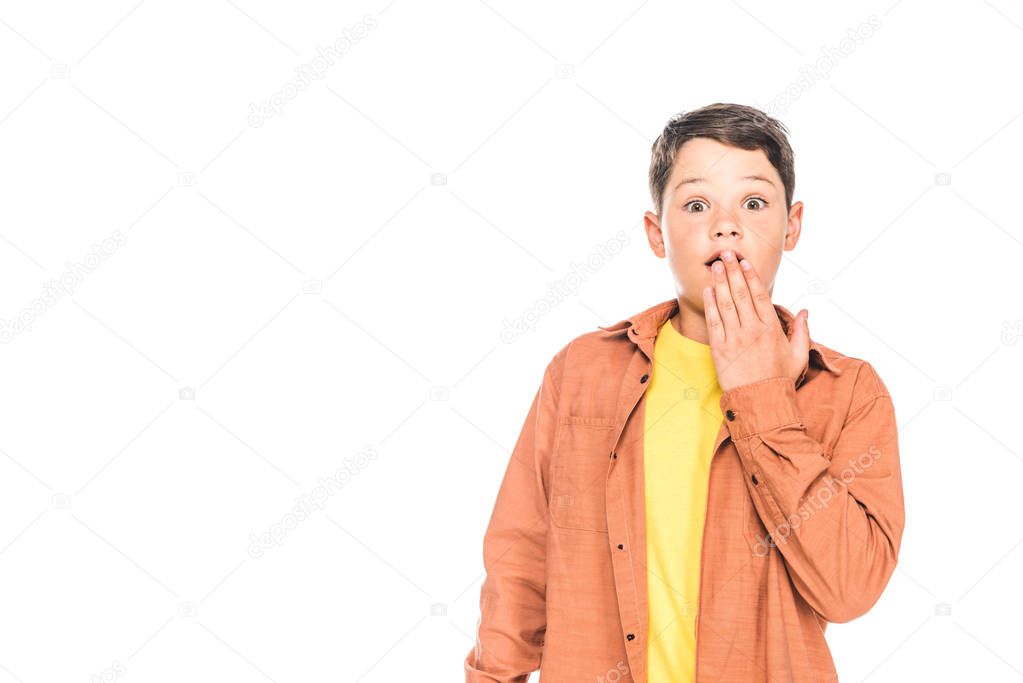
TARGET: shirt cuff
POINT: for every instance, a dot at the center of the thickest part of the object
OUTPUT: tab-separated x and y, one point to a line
760	406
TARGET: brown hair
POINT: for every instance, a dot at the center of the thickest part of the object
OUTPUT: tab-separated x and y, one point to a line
737	125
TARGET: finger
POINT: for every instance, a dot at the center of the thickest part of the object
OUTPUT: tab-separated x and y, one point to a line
759	295
800	339
740	292
715	328
723	297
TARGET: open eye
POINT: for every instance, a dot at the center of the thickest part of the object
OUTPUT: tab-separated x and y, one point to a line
695	201
762	202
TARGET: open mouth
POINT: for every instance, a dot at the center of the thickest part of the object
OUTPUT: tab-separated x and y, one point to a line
717	256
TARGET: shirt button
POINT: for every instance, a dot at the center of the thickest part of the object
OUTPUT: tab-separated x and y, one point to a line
621	547
643	379
730	414
754	478
630	637
614	455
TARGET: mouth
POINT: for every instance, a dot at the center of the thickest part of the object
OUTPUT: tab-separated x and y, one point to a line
717	255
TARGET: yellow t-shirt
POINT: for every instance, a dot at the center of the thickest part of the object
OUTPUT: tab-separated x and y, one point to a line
682	421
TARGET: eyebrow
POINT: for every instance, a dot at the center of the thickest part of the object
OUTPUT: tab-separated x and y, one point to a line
694	179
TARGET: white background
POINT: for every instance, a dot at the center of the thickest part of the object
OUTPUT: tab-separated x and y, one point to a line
331	286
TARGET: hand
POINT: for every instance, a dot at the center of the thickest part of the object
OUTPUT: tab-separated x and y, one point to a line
747	341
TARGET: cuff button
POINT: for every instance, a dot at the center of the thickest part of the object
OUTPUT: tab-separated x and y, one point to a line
730	414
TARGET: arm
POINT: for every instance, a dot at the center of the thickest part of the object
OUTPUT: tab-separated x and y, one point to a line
837	522
513	607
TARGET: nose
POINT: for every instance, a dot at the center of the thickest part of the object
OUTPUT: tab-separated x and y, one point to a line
725	226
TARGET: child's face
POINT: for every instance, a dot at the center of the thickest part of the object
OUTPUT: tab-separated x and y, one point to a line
723	211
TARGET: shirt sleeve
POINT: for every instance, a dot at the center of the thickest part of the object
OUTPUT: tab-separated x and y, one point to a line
513	608
837	519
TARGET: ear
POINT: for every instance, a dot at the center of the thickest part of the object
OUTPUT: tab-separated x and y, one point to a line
794	227
654	236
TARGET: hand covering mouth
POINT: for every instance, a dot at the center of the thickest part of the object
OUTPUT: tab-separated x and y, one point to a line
717	254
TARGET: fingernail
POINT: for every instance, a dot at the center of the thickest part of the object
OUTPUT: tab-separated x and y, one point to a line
744	264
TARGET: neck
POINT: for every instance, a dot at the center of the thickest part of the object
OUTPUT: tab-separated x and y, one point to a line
690	322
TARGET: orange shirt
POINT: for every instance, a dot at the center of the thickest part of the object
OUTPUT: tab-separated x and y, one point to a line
804	519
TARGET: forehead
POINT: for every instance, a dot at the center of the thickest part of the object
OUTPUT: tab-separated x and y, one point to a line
719	163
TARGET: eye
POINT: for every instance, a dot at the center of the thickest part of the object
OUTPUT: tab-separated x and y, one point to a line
695	201
756	199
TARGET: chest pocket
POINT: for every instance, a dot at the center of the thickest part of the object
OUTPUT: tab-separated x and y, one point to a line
579	473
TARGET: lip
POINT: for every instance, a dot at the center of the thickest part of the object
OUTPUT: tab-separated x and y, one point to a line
717	254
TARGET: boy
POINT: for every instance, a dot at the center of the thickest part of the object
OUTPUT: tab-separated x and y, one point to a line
699	489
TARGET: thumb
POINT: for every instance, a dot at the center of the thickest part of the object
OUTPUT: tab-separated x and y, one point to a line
800	339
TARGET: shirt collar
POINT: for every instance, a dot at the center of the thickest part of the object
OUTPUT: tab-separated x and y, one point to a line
644	325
